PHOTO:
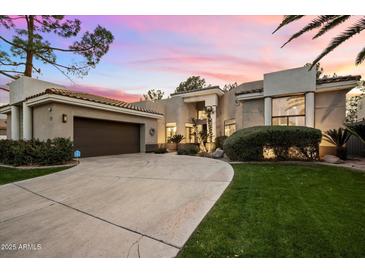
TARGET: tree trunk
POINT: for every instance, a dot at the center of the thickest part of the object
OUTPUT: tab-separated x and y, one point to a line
29	58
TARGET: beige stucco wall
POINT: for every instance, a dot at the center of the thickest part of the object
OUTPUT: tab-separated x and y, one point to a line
48	124
26	86
330	111
289	81
252	113
159	107
226	110
175	110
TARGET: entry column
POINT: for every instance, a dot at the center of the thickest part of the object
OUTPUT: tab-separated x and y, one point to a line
268	111
27	122
14	122
309	109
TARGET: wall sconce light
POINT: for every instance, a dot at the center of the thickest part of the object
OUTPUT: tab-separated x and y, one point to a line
64	118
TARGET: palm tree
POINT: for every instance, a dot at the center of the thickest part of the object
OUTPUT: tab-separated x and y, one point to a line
339	138
325	23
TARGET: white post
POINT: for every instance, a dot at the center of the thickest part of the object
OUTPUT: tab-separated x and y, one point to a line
14	123
268	111
309	109
27	122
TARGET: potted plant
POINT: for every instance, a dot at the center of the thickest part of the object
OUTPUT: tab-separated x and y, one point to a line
339	138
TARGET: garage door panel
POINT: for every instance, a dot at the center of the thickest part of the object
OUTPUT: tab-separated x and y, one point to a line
101	137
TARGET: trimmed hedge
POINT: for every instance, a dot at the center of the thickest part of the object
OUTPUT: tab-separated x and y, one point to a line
187	149
219	141
160	150
35	152
273	142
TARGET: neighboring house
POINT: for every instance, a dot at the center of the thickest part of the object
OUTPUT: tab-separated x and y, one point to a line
2	129
102	126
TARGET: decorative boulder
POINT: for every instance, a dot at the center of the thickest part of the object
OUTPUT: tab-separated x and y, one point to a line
332	159
218	153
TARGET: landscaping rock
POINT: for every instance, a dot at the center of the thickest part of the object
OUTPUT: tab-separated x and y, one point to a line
332	159
218	153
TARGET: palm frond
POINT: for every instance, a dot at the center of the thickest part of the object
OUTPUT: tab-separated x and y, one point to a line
331	24
360	57
337	137
286	20
338	40
315	23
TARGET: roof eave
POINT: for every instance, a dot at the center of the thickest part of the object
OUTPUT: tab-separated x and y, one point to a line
45	98
350	84
249	96
5	109
217	89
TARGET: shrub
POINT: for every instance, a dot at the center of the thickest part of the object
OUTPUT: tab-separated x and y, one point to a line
35	152
282	142
188	149
219	141
160	150
339	138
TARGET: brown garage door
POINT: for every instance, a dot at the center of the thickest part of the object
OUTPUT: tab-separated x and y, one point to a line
101	137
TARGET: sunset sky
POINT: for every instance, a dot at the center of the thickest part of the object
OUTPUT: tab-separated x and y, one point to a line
158	52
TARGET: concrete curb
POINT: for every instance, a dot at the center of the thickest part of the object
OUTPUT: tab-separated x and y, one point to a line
75	163
348	165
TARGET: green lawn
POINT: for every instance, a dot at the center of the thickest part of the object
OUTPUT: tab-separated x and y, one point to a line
9	175
283	210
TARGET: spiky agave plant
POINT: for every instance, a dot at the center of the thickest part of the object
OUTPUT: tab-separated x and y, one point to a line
339	138
325	23
358	130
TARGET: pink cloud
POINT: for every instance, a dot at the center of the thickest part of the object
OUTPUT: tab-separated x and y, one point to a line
214	66
117	94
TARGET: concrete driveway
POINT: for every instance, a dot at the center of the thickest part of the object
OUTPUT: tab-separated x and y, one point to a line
136	205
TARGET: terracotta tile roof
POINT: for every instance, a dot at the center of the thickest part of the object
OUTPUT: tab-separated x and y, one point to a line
92	98
257	90
338	79
193	90
2	124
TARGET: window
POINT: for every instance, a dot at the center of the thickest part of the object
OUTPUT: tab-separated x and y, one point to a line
189	133
288	111
170	130
229	127
202	115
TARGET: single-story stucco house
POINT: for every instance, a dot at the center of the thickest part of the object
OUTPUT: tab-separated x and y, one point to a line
103	126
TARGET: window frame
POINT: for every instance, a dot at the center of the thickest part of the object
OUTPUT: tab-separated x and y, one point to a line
191	137
230	122
288	116
167	127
